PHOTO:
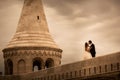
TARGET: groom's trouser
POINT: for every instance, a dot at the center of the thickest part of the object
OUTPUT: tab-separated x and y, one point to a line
93	54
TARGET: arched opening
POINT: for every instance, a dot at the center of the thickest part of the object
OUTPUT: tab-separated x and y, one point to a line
6	69
49	63
9	67
21	66
37	64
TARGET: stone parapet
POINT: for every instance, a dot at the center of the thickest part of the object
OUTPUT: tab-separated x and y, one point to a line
100	68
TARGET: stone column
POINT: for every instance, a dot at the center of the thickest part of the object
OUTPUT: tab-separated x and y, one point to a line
29	65
15	70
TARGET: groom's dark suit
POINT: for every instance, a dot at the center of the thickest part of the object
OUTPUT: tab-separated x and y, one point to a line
92	50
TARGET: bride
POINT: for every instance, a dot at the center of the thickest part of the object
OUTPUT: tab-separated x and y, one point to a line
87	54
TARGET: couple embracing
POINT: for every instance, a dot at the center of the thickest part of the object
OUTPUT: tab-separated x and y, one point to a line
89	50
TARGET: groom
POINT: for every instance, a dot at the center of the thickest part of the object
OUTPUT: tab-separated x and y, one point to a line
92	48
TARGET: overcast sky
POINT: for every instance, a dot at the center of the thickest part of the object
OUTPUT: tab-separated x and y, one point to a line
71	23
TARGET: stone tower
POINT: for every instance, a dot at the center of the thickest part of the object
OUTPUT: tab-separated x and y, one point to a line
32	47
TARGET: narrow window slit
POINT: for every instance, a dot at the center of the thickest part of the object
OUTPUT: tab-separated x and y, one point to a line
38	17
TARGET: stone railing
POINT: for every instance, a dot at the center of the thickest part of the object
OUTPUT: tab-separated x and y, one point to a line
105	67
101	66
85	72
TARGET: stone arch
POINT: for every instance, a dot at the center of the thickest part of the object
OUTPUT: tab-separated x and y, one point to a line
49	63
37	64
9	67
21	66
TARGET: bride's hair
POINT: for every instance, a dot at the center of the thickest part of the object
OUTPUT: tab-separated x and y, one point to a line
86	45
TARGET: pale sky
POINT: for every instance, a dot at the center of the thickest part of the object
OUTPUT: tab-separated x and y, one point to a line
71	23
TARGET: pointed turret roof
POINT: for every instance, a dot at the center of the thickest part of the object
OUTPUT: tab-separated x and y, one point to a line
32	30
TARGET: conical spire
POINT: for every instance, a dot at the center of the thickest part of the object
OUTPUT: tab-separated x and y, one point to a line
32	28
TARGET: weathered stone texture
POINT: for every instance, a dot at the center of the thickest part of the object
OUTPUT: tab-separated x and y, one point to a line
99	68
32	28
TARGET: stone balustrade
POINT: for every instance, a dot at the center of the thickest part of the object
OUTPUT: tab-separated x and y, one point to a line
100	68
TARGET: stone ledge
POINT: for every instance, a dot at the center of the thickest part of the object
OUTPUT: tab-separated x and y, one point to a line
80	70
32	48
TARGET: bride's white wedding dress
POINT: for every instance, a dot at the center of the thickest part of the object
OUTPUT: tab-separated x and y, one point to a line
86	55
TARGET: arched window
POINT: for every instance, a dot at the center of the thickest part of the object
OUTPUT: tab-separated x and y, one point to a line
105	68
37	64
9	67
49	63
79	72
118	66
67	75
100	69
94	70
89	71
75	73
84	71
111	67
21	66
